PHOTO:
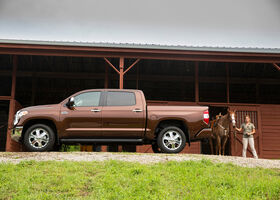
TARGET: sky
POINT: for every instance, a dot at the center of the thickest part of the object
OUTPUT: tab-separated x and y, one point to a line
211	23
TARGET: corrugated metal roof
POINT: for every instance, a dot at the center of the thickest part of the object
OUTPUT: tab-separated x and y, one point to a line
144	46
216	25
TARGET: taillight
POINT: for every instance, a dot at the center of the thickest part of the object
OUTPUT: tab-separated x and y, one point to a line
206	117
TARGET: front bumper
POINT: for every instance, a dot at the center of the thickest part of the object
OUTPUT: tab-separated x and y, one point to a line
17	133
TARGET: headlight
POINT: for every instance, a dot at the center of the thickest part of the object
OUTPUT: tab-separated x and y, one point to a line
18	115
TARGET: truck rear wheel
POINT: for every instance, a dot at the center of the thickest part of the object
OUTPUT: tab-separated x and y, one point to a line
39	137
171	140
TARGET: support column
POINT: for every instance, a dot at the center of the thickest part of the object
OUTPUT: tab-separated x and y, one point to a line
11	145
196	82
121	71
121	147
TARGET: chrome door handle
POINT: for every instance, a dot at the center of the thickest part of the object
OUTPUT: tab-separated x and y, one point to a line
137	110
95	110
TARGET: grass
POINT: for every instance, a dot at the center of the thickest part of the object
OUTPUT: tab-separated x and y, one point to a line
124	180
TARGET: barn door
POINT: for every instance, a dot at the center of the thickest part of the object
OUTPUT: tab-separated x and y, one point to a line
241	112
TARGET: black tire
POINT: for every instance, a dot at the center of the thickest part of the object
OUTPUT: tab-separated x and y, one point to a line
45	146
155	148
177	147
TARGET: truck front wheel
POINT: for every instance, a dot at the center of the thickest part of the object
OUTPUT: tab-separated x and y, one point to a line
39	137
171	140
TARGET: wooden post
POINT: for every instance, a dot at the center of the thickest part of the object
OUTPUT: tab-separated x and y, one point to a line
227	74
9	143
196	82
276	66
121	71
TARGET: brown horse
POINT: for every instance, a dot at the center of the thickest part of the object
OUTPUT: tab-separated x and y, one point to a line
221	129
211	138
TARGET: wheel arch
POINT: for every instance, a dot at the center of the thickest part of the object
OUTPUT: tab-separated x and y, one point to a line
47	122
173	122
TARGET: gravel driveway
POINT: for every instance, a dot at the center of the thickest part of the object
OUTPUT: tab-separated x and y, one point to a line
16	157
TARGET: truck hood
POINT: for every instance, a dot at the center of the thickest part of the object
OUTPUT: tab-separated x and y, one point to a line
41	107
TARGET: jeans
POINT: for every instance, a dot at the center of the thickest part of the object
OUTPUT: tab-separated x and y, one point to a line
252	146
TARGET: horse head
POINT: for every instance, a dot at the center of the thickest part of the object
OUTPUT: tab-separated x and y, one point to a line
232	117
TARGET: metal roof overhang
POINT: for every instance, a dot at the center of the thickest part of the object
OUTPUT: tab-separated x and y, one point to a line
138	51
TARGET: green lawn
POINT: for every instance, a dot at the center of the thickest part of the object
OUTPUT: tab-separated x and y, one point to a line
124	180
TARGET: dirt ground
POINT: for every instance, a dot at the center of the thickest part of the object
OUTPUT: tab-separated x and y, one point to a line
16	157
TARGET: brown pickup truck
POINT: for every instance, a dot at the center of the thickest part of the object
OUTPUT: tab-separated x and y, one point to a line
109	116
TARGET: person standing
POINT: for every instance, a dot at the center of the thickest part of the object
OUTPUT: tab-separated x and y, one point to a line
248	129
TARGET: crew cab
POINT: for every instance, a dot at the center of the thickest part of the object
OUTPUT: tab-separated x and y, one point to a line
109	116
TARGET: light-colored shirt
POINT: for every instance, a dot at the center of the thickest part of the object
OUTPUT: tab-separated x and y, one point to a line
247	128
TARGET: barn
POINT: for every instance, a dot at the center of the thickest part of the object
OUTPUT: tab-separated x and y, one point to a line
217	59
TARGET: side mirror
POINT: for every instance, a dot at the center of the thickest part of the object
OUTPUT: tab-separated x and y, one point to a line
70	103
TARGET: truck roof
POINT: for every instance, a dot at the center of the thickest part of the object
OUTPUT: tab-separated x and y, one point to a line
109	89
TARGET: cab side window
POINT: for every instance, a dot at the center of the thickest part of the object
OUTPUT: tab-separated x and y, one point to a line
87	99
120	99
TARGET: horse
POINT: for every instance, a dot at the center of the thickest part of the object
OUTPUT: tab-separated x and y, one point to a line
212	137
221	129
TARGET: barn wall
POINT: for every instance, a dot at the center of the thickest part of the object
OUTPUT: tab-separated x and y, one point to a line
270	122
193	149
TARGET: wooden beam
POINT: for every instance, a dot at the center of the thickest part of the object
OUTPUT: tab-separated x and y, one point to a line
146	77
5	97
276	66
116	52
12	104
112	65
135	62
10	124
121	72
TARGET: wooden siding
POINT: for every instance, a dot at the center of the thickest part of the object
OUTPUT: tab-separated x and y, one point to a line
270	121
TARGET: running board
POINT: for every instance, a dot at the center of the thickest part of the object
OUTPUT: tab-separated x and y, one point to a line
102	141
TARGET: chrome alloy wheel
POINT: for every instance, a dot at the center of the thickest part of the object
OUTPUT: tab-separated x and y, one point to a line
172	140
38	138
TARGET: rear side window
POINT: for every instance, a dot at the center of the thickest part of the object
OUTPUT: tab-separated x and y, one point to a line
87	99
121	99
